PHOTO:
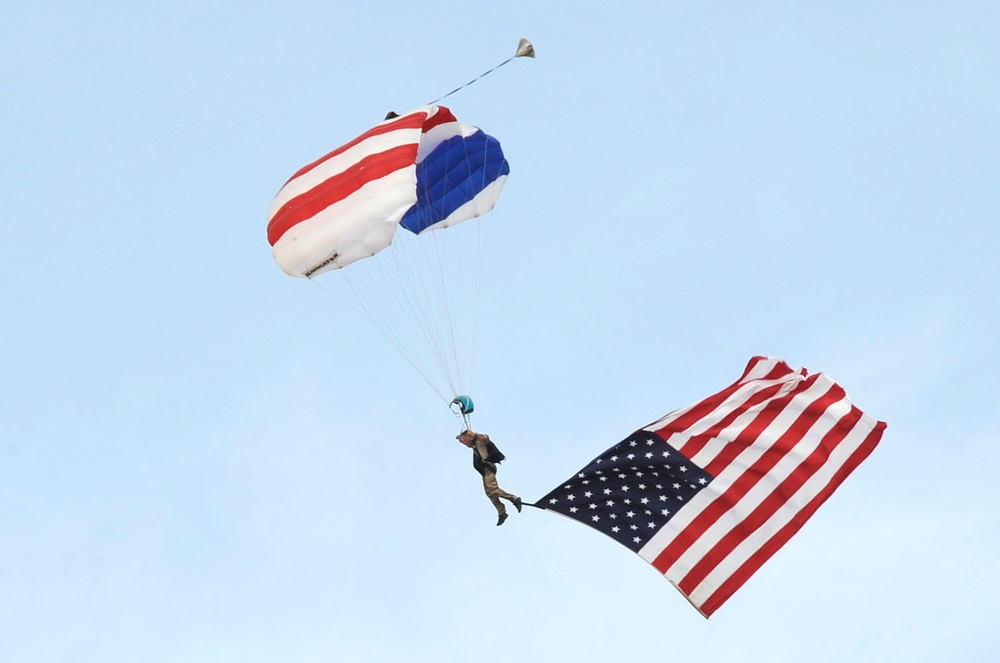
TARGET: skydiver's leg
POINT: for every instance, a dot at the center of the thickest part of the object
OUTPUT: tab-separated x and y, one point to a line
493	491
510	497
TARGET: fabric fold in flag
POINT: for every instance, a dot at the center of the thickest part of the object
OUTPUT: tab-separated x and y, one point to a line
709	492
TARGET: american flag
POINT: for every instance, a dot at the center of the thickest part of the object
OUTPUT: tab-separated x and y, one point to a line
709	492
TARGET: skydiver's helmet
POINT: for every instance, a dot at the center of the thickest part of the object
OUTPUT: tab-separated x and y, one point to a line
464	405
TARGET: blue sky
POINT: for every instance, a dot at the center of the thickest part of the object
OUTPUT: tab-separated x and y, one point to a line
202	459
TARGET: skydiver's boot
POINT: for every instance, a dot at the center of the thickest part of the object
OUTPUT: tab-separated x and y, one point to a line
501	519
517	504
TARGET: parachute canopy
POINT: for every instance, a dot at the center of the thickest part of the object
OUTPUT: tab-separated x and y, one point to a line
423	171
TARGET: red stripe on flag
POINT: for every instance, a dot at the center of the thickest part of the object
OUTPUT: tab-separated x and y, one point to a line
766	416
778	370
749	436
315	200
746	437
781	537
705	407
698	412
780	495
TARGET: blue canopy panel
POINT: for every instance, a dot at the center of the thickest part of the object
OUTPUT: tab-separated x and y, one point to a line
452	175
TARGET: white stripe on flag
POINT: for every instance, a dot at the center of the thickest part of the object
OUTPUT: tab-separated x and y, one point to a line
763	485
750	546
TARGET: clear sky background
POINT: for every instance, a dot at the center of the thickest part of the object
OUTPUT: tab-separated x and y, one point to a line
202	459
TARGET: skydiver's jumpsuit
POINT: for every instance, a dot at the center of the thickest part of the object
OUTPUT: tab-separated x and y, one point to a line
480	455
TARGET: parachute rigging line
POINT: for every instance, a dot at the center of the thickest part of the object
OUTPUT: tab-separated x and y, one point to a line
464	418
524	50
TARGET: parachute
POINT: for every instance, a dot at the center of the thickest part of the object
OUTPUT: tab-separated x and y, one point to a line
423	172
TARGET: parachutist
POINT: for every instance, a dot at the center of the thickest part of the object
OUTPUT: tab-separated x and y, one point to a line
485	457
